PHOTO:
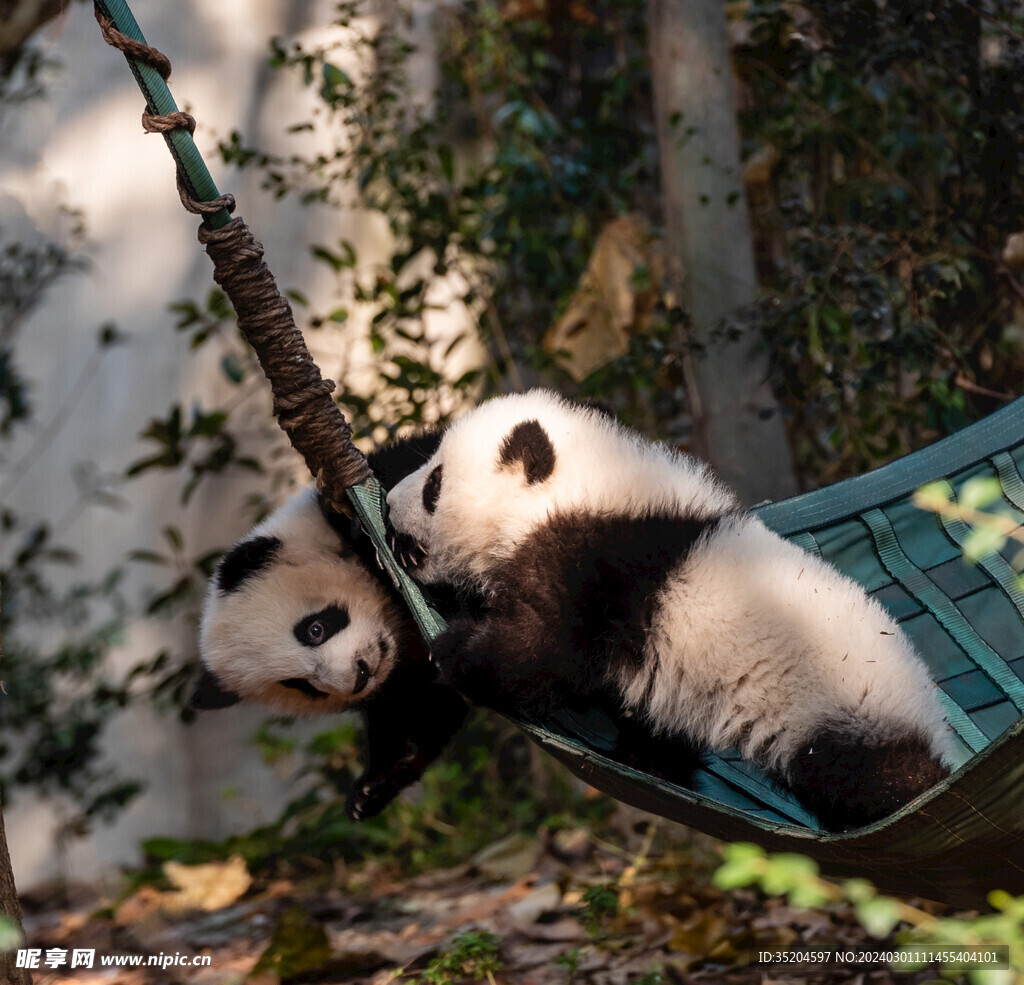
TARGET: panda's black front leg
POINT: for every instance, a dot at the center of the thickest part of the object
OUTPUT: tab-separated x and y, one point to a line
406	727
493	662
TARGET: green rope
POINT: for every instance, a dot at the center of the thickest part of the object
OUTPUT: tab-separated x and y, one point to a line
160	103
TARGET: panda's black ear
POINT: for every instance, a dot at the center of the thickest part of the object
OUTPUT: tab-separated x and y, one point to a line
528	444
244	560
209	694
595	403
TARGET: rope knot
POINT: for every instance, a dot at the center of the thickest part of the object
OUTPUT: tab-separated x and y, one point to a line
155	123
144	53
298	398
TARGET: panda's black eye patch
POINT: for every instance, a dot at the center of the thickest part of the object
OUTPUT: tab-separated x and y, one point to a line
431	490
317	629
244	560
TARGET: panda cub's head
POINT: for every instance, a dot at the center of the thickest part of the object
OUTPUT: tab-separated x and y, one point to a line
495	476
294	619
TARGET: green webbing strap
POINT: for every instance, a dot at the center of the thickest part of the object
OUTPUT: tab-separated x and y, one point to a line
850	498
993	564
760	792
1010	479
160	102
955	715
949	616
368	499
807	543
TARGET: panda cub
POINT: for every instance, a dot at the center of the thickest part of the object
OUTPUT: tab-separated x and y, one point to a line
616	569
298	616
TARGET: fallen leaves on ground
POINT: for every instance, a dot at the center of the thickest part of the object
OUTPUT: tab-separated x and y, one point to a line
566	910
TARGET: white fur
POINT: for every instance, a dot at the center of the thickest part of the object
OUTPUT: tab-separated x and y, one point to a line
753	637
486	510
246	636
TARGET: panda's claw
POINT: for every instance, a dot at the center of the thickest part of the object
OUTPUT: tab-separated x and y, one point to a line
407	551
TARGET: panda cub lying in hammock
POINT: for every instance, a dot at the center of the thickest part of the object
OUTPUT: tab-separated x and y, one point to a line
299	616
615	568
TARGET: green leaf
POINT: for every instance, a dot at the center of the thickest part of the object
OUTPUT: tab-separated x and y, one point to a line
878	915
326	256
10	937
298	946
173	537
932	496
979	492
744	864
982	541
148	557
232	367
446	160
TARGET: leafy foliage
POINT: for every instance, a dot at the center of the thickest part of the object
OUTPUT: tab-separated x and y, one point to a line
57	692
796	878
472	956
489	772
533	108
890	314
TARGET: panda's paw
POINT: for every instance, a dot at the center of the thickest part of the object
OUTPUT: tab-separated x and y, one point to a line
370	796
372	792
447	650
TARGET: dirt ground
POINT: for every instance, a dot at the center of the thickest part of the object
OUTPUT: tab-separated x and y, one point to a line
564	910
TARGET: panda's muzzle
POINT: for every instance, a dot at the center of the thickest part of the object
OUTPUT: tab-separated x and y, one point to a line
303	686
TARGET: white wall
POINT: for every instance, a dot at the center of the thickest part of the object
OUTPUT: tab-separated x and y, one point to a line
84	147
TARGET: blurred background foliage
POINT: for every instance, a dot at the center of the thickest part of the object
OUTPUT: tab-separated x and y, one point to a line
885	192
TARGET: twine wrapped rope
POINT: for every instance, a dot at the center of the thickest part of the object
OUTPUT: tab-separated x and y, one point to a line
303	404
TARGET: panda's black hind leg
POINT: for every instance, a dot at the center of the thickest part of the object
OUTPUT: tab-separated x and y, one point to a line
849	784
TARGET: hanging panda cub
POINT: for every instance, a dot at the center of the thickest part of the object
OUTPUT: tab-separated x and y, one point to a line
298	616
616	568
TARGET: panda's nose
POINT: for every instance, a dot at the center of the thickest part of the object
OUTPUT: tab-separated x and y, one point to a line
362	676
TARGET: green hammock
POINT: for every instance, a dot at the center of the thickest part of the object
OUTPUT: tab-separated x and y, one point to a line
956	843
964	838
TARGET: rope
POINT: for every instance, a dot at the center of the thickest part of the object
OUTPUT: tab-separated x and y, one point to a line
302	398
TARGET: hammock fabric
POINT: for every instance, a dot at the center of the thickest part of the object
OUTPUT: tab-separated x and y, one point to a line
955	844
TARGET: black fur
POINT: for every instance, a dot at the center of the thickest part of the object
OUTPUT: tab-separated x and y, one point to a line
394	461
571	609
432	489
407	724
824	773
317	629
244	560
390	463
528	444
209	694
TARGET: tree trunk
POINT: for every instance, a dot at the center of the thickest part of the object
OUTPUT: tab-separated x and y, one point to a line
21	18
9	905
737	424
